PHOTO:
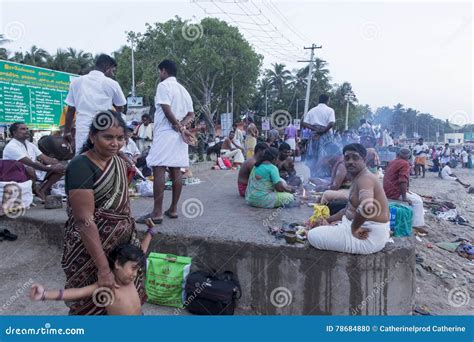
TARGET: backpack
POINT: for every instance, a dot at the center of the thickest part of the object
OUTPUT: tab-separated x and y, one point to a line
211	294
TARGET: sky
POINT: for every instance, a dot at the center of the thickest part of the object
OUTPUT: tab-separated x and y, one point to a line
419	54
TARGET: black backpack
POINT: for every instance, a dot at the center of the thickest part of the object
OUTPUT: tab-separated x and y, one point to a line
211	294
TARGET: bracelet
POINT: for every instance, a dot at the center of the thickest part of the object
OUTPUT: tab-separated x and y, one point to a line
152	231
61	295
43	297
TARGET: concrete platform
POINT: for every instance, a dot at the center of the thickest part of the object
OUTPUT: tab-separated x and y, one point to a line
221	232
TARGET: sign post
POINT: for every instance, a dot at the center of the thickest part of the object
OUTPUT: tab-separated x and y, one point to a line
32	95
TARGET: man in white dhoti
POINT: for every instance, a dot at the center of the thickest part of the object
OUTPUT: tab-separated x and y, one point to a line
174	111
363	227
90	94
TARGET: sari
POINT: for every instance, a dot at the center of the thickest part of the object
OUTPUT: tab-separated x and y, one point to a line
115	226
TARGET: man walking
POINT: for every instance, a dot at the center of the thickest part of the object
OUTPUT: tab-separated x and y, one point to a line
89	94
174	111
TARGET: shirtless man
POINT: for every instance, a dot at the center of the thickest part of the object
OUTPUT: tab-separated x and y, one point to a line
340	183
247	166
286	165
365	225
232	150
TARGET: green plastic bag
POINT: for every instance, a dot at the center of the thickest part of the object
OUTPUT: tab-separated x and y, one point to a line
165	279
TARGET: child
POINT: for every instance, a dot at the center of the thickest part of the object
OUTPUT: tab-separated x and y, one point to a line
124	260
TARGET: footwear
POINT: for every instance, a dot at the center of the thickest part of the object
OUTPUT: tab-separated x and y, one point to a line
167	213
7	235
142	219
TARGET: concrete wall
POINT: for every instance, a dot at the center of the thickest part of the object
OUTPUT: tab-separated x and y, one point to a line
289	280
316	282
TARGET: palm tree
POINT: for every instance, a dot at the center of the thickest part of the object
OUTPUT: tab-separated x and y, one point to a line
18	57
36	57
60	61
80	61
279	78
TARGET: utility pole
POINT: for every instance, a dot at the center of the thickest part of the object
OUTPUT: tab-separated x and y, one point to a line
310	73
133	69
232	99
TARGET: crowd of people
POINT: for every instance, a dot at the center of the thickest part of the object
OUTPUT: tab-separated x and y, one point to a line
101	248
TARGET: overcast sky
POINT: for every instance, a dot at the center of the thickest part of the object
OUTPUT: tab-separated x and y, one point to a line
418	54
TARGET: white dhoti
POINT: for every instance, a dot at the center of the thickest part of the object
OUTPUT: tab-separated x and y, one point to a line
236	155
339	238
292	143
80	139
168	149
418	211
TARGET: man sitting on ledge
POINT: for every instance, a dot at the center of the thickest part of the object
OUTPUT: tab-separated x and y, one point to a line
365	226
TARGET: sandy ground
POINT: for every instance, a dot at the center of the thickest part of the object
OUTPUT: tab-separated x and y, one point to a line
445	296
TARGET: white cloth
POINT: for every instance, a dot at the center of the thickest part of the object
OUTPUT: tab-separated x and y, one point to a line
339	238
239	137
446	173
235	156
417	207
144	132
292	143
15	196
16	150
90	94
320	115
130	149
464	156
168	147
420	148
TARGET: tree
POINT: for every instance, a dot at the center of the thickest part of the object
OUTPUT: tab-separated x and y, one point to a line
36	57
208	63
278	77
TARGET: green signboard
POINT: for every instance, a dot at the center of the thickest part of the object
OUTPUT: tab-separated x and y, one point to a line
32	95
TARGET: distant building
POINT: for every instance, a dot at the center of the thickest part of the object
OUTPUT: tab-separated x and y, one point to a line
454	138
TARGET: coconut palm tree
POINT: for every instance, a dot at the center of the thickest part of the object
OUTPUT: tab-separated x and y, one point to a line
60	61
36	56
80	62
279	78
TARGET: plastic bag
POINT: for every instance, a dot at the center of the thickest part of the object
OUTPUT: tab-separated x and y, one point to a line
166	279
145	188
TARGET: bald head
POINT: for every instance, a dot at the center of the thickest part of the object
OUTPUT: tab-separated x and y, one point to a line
404	153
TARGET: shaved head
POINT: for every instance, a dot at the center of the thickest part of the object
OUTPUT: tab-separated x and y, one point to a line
404	153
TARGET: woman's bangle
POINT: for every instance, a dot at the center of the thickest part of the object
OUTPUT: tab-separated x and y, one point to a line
61	295
152	231
43	297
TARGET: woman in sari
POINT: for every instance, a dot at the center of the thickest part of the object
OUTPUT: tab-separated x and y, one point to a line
265	187
99	213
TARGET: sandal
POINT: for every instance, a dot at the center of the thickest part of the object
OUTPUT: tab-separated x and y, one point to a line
7	235
167	213
142	219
